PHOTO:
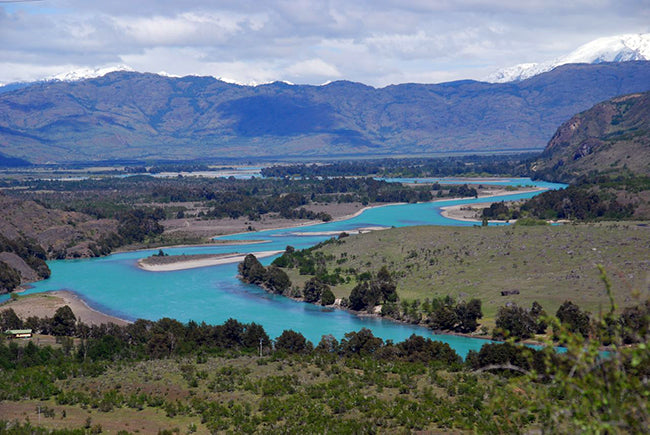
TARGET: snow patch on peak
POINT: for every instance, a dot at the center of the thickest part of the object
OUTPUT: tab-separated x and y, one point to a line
88	73
166	74
620	48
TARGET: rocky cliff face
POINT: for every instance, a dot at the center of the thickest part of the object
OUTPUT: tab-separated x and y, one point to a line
612	138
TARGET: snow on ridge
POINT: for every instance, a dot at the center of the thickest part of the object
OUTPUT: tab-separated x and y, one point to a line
619	48
87	73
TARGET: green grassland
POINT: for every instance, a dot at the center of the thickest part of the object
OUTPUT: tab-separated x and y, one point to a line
548	264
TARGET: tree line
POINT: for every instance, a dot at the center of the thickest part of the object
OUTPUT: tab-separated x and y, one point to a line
493	165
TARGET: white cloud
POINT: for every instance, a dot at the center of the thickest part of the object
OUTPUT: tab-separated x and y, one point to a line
314	67
306	41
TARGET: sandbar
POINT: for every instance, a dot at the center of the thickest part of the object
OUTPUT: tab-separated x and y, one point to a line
336	233
182	262
43	305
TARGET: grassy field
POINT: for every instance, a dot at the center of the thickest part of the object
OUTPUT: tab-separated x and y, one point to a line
548	264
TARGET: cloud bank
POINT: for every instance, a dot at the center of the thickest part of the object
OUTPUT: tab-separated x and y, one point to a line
378	42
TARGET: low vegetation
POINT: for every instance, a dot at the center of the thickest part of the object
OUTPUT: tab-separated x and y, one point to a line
169	377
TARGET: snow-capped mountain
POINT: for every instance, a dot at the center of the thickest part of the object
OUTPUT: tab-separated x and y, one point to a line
620	48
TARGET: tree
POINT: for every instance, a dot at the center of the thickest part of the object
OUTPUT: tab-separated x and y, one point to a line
360	343
252	335
313	290
635	322
327	297
418	348
539	315
293	342
328	345
573	318
467	315
514	321
357	296
251	270
384	281
276	280
10	320
443	314
231	333
63	322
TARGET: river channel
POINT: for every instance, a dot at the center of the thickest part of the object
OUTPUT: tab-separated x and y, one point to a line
115	285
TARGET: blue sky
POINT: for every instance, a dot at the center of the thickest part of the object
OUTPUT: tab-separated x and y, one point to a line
376	42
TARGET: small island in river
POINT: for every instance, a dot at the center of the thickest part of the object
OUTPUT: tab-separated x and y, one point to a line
162	262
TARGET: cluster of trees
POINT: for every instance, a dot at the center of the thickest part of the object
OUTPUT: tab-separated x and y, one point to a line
275	280
237	204
496	165
500	211
9	278
576	202
30	251
447	314
461	190
373	290
316	291
271	278
311	262
519	323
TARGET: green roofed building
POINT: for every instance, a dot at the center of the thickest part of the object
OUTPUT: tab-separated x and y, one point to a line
19	333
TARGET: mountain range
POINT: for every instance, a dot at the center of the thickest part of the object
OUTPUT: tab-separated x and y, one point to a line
129	115
620	48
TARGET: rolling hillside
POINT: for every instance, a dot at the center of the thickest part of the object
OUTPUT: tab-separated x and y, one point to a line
612	138
126	115
547	264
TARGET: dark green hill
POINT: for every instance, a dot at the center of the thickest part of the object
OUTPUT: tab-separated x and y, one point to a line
144	116
612	139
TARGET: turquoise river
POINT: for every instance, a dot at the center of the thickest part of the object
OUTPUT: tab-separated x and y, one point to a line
115	285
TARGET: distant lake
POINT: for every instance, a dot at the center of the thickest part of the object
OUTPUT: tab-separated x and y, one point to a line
115	284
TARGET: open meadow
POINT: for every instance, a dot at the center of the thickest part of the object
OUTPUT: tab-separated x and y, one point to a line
547	264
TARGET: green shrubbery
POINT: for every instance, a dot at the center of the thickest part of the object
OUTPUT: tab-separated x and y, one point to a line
358	383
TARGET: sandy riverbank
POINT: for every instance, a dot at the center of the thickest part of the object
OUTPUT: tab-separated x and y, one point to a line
182	262
45	305
471	212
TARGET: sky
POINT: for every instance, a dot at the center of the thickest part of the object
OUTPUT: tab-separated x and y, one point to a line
376	42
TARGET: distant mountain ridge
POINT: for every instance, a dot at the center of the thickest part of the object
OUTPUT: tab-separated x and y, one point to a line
128	115
620	48
612	138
